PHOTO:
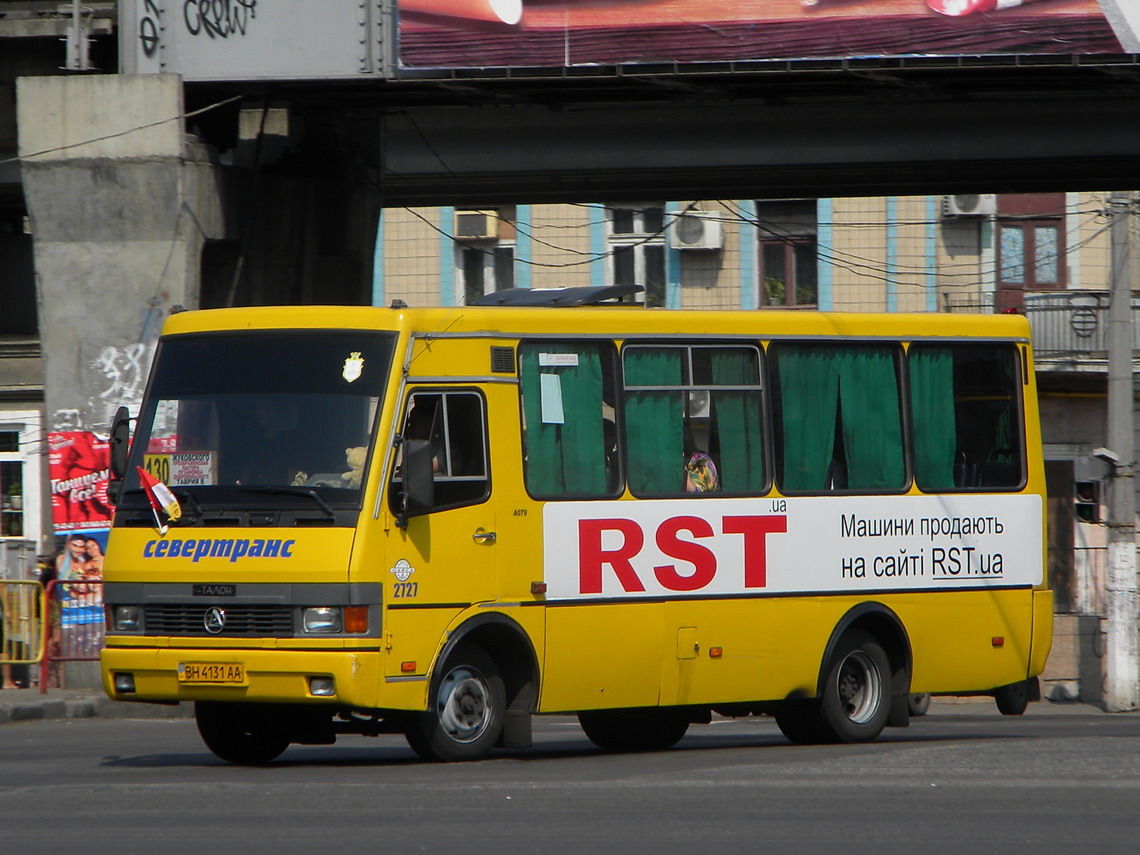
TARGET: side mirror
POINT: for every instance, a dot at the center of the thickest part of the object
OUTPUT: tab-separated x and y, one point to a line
418	494
120	444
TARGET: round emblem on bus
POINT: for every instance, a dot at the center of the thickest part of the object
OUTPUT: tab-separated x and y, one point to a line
402	570
215	620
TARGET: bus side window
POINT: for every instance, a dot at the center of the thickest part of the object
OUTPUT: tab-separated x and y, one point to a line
693	419
455	425
838	417
569	432
966	417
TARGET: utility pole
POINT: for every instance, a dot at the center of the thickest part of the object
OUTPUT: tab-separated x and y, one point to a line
1122	655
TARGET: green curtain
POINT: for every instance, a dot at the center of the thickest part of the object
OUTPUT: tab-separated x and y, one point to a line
567	459
736	415
932	409
872	424
1007	426
654	421
809	393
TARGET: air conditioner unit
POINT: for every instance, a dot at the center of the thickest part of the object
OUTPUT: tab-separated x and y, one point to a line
477	225
966	205
696	230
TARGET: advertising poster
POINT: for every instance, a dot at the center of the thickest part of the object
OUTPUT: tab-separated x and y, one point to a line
79	595
79	464
520	33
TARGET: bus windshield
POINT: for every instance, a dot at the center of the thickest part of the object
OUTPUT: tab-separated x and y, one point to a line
275	419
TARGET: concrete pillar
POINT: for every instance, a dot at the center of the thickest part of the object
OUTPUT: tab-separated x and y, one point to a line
120	204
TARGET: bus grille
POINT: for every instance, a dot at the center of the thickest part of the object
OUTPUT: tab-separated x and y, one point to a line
272	621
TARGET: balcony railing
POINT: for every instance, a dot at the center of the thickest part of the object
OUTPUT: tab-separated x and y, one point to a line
1067	325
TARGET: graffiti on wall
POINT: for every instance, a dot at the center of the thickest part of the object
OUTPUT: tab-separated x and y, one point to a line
79	458
78	451
121	377
216	19
242	39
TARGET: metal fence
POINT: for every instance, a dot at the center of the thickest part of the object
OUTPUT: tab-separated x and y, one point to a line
22	641
76	626
1064	323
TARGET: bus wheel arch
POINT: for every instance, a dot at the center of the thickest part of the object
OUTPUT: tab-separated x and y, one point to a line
882	624
863	682
510	648
465	709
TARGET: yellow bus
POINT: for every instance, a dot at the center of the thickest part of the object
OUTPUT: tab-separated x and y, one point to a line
441	522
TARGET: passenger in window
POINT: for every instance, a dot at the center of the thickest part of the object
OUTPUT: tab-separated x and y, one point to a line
421	424
700	474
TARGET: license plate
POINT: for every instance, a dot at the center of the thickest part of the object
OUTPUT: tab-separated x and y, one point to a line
225	673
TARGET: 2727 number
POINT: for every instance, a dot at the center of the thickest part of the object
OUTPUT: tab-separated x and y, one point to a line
403	590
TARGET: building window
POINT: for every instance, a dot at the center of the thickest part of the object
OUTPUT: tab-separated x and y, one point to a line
1029	255
786	232
11	485
486	270
485	251
1030	246
636	236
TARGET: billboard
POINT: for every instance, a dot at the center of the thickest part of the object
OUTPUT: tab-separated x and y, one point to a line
205	40
521	33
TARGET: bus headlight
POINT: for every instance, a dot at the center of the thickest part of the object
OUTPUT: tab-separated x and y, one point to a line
322	619
126	618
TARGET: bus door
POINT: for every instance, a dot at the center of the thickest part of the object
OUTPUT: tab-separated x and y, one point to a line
444	559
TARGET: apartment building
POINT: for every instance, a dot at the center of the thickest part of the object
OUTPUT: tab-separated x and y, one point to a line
1047	255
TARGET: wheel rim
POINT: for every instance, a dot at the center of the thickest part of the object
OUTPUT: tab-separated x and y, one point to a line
860	687
463	704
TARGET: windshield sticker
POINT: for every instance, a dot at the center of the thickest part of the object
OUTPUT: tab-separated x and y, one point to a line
353	366
183	468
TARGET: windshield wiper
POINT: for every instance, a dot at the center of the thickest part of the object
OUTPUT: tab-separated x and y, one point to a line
292	491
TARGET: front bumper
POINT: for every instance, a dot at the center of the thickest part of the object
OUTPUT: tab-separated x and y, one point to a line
270	676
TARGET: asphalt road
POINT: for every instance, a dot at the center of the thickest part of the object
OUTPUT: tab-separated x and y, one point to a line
960	780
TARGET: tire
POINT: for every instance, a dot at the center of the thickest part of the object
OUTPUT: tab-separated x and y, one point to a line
1012	699
240	733
800	722
856	699
917	703
649	729
468	701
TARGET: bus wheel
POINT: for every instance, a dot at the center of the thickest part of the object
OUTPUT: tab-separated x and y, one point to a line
1012	699
856	700
652	729
917	703
799	721
467	705
238	733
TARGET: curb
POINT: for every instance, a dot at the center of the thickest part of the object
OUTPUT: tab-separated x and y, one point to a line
20	705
